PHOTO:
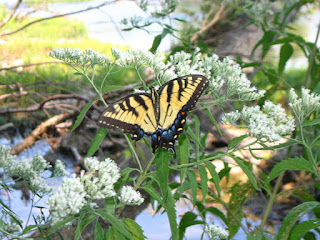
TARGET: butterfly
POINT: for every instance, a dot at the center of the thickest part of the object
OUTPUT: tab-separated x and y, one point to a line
160	114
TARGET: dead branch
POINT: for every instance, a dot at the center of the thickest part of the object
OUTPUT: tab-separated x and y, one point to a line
40	105
10	15
56	16
35	135
206	27
29	65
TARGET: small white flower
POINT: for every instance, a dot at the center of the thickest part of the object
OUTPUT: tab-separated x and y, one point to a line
129	196
5	157
60	169
272	123
39	164
304	106
216	232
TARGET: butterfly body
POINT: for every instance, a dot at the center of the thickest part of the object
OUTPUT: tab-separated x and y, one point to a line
160	115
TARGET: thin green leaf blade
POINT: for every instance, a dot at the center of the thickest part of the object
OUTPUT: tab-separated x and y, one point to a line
299	230
172	214
214	175
203	182
297	163
101	134
184	146
98	231
162	162
82	114
235	141
286	52
293	216
193	184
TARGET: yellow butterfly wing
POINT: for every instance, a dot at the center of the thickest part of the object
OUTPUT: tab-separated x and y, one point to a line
133	114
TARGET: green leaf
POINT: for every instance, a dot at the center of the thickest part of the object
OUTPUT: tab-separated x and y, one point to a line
82	114
312	122
239	194
235	141
293	216
184	146
290	164
153	193
299	230
113	234
265	41
162	162
246	170
82	223
214	122
101	134
98	231
134	228
214	175
193	184
60	224
286	52
169	206
187	220
157	40
116	223
193	136
204	182
218	213
281	145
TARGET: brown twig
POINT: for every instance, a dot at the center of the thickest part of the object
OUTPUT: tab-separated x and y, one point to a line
29	65
209	25
10	15
35	134
52	17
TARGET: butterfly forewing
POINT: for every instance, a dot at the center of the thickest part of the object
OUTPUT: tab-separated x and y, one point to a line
180	93
129	113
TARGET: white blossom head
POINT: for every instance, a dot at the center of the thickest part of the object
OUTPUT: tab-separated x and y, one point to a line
129	196
270	123
215	232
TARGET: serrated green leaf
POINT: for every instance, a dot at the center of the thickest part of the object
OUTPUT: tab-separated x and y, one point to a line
184	146
193	184
116	223
82	223
290	164
101	134
113	234
153	193
239	194
82	114
299	230
246	170
60	224
187	220
162	162
98	231
204	182
170	208
286	52
235	141
134	228
214	175
293	216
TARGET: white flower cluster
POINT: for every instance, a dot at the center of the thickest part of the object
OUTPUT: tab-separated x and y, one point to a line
272	123
99	181
81	58
304	106
67	200
129	196
60	169
216	232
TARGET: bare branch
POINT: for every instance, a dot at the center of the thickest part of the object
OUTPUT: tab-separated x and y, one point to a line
29	65
56	16
10	15
209	25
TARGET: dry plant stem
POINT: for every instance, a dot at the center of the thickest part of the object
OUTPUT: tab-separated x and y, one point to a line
10	15
311	59
56	16
209	25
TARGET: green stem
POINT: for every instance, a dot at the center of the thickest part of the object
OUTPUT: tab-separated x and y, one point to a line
142	177
272	199
133	152
311	59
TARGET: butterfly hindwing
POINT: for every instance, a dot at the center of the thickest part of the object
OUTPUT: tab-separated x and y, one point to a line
176	97
133	114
